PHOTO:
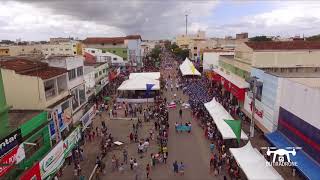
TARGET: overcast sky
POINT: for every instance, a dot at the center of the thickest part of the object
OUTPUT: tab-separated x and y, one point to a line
155	19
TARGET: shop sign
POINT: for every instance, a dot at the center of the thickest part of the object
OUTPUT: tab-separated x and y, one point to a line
13	157
10	141
70	142
32	174
53	161
87	118
248	106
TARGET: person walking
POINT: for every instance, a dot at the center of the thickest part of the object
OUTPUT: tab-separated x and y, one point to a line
125	156
131	163
165	157
180	113
181	169
148	170
175	168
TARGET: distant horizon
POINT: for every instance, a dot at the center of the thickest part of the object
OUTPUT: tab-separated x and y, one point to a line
34	20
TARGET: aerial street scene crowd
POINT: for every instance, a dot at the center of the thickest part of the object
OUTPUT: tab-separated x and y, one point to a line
97	100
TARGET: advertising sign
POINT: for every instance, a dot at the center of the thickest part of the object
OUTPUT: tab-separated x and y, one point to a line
32	173
70	142
87	118
8	160
258	108
52	161
10	141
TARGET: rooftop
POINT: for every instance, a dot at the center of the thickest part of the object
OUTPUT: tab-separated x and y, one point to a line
284	45
32	68
296	74
94	64
217	50
100	40
18	117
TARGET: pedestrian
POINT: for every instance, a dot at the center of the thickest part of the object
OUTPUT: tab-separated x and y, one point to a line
121	168
165	157
180	113
181	169
125	156
175	168
131	163
148	170
131	137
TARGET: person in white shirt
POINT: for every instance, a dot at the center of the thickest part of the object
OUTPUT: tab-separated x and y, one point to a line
146	146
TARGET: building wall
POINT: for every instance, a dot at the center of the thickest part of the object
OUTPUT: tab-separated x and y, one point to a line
243	53
67	48
212	59
301	100
134	46
200	46
122	52
4	51
105	46
240	69
23	92
25	49
286	59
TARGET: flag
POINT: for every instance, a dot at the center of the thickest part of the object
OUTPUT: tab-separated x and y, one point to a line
236	127
149	87
193	69
172	105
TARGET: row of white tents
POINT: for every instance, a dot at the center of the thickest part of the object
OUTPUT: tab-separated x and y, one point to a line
249	159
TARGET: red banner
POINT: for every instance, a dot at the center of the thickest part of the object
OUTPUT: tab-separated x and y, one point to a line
233	89
7	161
32	173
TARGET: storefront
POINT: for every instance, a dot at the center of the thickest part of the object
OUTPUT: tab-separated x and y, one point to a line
32	173
233	84
71	141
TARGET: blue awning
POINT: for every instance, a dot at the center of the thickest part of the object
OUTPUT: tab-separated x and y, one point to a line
306	165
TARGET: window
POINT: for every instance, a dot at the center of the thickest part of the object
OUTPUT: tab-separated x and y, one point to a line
103	51
79	71
96	75
74	45
22	49
74	52
66	49
114	58
104	71
82	95
6	52
100	73
114	44
194	54
47	49
102	44
195	48
75	99
109	58
72	74
124	59
61	49
65	106
51	49
92	51
259	91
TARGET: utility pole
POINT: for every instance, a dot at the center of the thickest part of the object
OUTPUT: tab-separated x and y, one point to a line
186	24
253	107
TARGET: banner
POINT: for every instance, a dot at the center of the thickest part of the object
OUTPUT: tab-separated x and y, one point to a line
70	142
13	157
53	161
87	118
32	173
10	141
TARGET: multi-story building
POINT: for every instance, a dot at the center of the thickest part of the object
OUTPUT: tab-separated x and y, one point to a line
4	51
100	75
34	85
211	58
100	56
183	41
75	83
242	36
129	47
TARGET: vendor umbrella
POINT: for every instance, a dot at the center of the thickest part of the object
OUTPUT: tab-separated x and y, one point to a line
107	98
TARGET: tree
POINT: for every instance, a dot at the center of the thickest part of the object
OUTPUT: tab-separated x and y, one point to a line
260	38
314	38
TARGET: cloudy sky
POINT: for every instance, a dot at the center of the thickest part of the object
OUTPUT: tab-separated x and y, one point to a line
155	19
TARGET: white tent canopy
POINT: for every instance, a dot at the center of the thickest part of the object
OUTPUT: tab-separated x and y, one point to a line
219	114
253	163
150	75
187	67
139	83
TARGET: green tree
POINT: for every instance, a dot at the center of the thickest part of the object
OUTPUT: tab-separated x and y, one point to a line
314	38
260	38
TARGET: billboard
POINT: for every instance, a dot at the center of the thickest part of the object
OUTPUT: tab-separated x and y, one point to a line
52	162
10	141
32	173
70	142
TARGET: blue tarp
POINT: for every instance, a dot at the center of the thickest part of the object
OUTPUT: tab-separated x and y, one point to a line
308	167
183	128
